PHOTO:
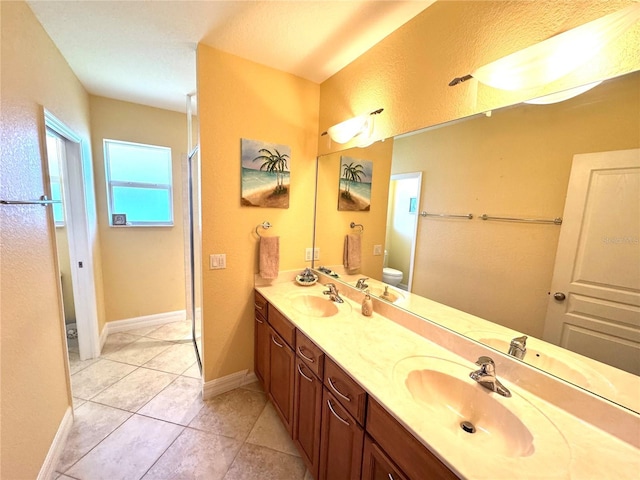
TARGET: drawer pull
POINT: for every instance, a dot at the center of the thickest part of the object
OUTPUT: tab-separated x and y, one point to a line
336	415
310	360
391	477
302	373
342	395
273	339
258	320
259	307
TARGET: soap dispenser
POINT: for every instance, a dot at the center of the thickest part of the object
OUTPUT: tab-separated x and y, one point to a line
367	304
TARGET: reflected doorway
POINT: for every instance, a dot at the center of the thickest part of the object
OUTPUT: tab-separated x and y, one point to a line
402	225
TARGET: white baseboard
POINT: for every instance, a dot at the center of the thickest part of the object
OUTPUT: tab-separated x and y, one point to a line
227	383
57	446
142	322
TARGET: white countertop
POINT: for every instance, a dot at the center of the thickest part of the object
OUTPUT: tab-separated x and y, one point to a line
372	350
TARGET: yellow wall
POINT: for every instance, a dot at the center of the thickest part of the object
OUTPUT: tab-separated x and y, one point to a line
516	164
143	267
332	225
35	390
241	99
408	72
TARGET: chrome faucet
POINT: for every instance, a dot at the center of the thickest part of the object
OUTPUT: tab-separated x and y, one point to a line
518	347
360	284
333	293
486	376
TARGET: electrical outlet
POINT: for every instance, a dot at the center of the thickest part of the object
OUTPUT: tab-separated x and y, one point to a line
316	253
217	261
377	249
308	254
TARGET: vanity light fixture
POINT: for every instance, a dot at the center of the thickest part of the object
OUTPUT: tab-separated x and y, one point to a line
361	126
551	59
564	95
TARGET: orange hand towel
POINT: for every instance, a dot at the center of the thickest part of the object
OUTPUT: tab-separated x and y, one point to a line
351	257
269	257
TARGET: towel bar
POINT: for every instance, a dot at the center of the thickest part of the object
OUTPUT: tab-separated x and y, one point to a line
266	225
354	225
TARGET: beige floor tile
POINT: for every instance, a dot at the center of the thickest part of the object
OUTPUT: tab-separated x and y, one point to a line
128	452
90	381
256	462
172	332
77	402
179	403
116	341
75	364
139	352
143	331
193	371
62	477
269	431
255	386
134	390
232	414
91	424
175	359
196	455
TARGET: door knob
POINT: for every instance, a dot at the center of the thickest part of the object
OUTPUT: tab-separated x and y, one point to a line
559	296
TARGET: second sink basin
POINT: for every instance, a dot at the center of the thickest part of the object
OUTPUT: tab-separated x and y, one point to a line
317	306
473	423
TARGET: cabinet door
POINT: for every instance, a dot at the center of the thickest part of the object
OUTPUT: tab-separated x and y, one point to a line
262	340
307	414
376	465
281	368
341	442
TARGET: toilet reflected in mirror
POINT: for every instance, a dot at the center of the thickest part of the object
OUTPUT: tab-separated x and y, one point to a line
390	275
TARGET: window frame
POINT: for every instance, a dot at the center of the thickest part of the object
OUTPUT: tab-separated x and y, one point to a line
141	185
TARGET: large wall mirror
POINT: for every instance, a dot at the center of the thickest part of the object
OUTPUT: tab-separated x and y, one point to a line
429	191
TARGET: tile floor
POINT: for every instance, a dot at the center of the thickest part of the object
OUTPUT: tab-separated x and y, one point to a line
138	414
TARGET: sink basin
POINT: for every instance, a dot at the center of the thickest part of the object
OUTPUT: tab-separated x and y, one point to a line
472	423
393	295
317	306
455	398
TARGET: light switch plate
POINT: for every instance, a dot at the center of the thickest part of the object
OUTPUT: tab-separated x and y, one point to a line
316	253
217	261
377	249
308	254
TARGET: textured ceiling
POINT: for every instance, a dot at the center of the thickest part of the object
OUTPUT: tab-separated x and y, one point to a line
144	51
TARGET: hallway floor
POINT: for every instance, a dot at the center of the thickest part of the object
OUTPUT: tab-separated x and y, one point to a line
139	415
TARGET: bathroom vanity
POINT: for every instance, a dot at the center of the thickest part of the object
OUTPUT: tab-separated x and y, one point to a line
389	397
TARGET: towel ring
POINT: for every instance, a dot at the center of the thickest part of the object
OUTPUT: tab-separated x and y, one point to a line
354	225
266	225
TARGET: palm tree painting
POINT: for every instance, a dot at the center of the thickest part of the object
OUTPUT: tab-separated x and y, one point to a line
355	184
265	174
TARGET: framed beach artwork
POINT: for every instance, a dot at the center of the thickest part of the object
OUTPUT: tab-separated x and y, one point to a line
265	174
354	192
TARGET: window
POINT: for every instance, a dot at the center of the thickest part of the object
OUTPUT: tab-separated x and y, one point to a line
55	157
139	183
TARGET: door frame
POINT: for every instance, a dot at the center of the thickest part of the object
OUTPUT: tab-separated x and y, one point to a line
79	208
414	240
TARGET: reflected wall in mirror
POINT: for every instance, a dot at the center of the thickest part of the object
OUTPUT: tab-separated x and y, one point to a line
514	163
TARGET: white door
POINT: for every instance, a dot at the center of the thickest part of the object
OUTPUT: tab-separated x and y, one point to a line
594	305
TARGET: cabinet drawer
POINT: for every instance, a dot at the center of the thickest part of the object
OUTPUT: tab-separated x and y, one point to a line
350	395
310	354
377	465
281	325
260	306
407	453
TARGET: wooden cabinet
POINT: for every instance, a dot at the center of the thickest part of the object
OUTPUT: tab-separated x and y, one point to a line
376	465
407	453
325	410
341	442
351	395
281	368
307	414
262	340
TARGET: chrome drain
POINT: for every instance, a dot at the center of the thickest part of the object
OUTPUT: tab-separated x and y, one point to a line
468	427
